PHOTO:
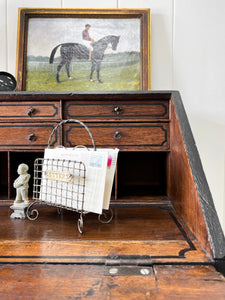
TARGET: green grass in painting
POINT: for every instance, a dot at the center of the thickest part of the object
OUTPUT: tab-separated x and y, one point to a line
114	79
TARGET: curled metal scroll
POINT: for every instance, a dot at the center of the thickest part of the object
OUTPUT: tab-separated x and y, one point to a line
32	212
80	224
106	217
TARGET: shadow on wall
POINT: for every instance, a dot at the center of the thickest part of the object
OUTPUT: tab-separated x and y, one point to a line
161	52
210	140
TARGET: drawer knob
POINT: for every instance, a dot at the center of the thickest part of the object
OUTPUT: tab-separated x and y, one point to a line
117	110
32	137
117	135
30	111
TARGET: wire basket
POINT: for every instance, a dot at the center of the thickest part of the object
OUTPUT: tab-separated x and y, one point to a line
61	183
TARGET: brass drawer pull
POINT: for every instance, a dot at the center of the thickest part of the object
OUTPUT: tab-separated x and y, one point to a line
117	110
117	135
32	137
30	111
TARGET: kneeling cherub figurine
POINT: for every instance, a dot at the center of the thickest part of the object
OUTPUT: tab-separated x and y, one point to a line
21	184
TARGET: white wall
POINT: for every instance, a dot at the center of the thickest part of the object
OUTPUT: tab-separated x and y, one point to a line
199	73
188	54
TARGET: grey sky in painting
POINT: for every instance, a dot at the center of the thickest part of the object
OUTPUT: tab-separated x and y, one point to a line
45	34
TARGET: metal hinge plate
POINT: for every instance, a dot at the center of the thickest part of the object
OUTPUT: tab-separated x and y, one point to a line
129	265
128	271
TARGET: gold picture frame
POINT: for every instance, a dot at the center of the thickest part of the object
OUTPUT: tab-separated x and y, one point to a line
119	56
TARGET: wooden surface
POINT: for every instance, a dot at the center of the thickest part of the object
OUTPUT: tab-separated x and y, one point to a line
149	181
186	200
18	135
51	238
89	282
129	136
28	111
145	125
141	124
117	110
203	203
48	258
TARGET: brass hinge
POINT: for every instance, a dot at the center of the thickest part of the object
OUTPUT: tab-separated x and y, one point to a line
128	265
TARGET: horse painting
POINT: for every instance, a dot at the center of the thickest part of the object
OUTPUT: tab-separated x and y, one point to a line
70	50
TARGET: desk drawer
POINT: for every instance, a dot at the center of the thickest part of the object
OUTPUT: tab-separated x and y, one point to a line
27	136
129	136
117	110
29	110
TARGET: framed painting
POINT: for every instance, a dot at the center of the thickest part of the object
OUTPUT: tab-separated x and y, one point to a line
83	50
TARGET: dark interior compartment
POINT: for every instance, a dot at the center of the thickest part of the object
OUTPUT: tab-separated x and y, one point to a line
3	175
16	158
141	173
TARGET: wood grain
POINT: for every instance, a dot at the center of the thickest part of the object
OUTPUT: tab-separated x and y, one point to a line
17	136
89	282
133	231
20	111
124	111
129	136
147	135
181	186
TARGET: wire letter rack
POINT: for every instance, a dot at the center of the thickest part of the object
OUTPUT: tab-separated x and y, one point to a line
61	183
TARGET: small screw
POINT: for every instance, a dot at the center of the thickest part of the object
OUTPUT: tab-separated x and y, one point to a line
113	271
144	272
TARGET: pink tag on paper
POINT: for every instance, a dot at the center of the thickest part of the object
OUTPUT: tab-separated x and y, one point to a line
109	163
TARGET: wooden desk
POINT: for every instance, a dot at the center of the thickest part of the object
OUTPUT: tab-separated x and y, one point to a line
160	189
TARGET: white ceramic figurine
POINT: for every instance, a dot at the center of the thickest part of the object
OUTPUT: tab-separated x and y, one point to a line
21	184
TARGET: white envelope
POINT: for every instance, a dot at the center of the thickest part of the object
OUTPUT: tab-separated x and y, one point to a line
100	168
67	194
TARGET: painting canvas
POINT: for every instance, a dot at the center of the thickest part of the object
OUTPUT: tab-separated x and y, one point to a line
85	53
